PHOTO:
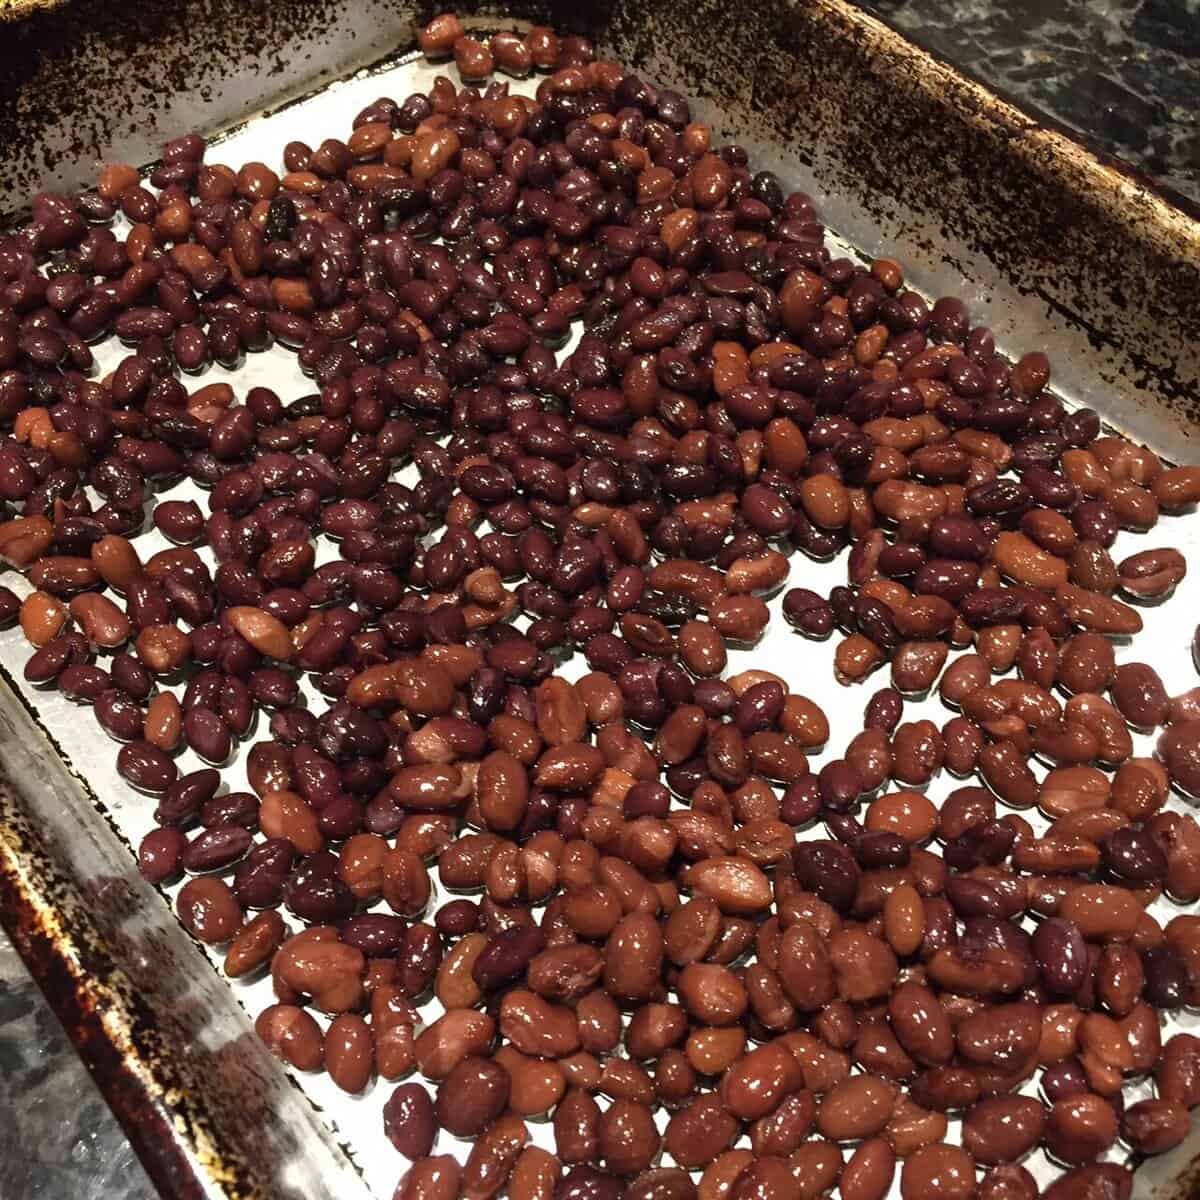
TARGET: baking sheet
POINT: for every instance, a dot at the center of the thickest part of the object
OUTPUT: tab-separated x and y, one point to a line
807	667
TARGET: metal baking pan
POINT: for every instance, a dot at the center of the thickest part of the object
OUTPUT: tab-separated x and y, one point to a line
1054	248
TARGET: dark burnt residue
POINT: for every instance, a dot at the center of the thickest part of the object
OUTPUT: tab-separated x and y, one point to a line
80	76
66	980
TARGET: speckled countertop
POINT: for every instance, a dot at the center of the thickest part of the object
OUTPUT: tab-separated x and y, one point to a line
58	1141
1124	73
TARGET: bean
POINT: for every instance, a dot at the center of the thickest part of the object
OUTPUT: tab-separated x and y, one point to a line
904	920
1139	695
160	855
1178	750
1022	560
1061	954
43	618
180	520
209	910
216	848
471	1096
409	1121
1155	1126
146	767
265	633
537	1027
699	1132
1003	1129
254	944
921	1025
858	1107
938	1170
808	613
433	1177
292	1034
1151	574
908	814
1080	1128
1101	911
868	1173
737	884
438	37
349	1052
504	958
628	1140
23	540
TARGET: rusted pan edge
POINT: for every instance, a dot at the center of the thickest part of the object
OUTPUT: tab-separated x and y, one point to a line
84	1006
1051	247
206	1108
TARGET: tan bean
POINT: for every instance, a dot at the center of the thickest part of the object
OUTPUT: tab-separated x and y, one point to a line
291	1034
116	561
858	1107
737	884
43	617
267	634
23	540
163	723
536	1027
1024	561
1102	911
904	920
255	944
349	1052
456	1035
455	987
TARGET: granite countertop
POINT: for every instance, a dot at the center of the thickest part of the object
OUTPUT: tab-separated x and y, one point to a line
1121	72
58	1139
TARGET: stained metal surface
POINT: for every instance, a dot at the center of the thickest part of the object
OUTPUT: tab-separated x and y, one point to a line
1057	248
82	81
1050	246
205	1106
1061	252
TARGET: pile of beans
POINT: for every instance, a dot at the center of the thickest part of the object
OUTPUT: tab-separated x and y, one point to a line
703	1005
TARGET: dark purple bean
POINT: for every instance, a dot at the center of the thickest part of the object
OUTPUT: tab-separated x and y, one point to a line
236	808
1132	854
315	893
160	855
146	767
218	847
181	520
409	1122
504	959
457	918
259	879
207	735
1061	955
83	682
377	935
829	870
119	716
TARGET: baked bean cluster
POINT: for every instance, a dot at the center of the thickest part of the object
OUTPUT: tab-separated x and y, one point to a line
641	950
